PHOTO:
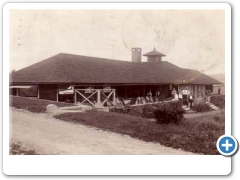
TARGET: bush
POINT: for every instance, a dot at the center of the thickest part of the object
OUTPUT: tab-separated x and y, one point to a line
148	110
169	113
201	107
218	101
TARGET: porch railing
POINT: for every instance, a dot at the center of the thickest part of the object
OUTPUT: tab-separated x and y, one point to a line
95	97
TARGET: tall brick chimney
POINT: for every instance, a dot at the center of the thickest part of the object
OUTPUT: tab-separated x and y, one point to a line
136	54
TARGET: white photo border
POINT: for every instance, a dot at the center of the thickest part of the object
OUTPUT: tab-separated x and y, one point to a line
115	164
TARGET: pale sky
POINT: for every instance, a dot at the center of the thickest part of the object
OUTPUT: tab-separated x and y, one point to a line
190	38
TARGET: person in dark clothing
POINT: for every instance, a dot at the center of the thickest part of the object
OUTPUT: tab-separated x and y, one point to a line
180	97
219	91
191	100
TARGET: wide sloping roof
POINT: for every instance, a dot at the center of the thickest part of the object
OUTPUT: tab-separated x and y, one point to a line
67	68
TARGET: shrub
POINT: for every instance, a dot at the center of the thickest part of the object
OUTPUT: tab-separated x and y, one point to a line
169	113
148	111
218	101
201	107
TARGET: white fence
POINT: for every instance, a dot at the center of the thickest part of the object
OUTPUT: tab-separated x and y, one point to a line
95	97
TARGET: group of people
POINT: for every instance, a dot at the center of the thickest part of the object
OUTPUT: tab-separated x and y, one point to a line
184	97
150	96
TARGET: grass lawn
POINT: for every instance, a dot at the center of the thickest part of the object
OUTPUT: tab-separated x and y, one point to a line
33	104
198	135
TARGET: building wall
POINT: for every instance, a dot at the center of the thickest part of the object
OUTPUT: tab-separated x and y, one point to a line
13	91
48	92
141	90
197	90
222	89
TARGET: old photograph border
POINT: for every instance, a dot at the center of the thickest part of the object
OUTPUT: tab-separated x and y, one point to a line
117	164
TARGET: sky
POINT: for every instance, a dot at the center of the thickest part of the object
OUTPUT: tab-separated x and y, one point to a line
189	38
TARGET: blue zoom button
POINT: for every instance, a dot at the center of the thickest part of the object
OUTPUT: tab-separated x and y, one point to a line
227	145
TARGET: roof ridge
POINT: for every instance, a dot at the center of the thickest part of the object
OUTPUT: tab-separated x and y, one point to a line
99	58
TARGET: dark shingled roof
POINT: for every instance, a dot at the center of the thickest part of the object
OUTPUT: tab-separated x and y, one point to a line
154	53
67	68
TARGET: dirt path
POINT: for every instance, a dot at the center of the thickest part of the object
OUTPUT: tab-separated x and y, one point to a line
47	135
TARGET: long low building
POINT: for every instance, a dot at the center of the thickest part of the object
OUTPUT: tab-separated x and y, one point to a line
76	75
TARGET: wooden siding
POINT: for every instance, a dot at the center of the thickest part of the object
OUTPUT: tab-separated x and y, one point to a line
48	92
197	90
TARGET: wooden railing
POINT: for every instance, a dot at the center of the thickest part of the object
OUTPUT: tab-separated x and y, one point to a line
95	97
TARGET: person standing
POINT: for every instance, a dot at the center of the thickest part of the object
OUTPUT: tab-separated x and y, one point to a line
157	95
190	100
185	95
180	97
176	96
149	95
219	91
174	92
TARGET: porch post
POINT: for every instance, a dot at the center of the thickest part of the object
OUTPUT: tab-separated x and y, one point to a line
98	104
38	92
17	93
144	91
114	97
75	96
57	95
195	91
125	92
98	97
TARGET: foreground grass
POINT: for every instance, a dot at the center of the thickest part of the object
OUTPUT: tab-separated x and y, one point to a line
198	135
18	149
33	105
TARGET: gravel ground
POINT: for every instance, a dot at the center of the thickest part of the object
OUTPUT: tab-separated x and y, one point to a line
46	135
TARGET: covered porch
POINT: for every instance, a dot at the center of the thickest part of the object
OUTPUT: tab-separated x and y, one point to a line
110	94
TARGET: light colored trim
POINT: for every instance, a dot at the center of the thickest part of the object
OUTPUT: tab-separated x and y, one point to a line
57	95
38	91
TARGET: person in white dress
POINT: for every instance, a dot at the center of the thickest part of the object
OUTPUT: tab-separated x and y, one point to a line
180	97
176	96
174	92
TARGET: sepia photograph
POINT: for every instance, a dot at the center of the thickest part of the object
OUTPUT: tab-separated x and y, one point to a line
116	81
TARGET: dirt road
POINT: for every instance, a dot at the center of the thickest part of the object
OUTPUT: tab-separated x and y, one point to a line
47	135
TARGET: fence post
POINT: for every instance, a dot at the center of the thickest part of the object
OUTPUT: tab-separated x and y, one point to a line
75	96
57	95
114	97
38	91
98	104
